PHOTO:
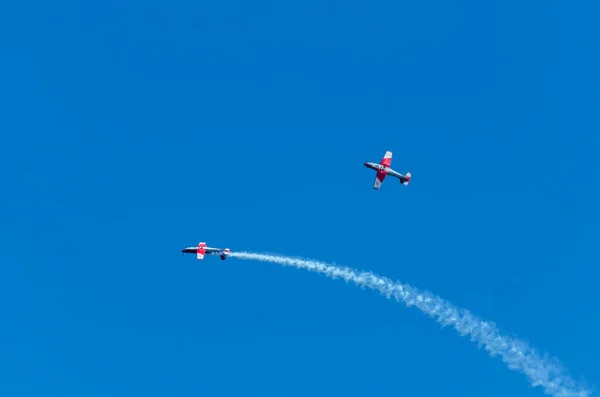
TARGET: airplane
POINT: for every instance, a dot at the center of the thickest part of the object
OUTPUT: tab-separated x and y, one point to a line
202	250
384	169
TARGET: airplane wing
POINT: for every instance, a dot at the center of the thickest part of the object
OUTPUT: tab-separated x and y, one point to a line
387	159
201	251
379	180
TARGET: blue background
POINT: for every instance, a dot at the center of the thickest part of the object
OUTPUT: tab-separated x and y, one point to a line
132	130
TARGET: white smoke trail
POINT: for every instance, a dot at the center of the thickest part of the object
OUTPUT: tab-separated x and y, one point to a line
517	354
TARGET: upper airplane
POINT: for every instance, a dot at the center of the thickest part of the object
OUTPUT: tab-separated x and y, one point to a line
202	250
384	169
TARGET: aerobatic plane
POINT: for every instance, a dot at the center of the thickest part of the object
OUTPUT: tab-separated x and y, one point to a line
202	250
383	169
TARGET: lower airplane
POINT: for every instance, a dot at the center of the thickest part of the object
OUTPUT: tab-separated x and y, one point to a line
202	250
384	169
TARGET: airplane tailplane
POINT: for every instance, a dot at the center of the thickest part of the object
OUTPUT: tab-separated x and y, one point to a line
406	179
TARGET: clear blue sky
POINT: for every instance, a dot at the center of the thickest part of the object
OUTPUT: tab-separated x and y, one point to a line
132	130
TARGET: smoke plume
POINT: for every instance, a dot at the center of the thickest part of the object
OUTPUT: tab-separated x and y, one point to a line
543	372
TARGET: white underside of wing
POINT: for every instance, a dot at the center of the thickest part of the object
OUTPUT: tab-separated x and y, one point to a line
377	183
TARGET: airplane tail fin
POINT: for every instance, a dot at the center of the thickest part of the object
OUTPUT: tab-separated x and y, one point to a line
226	252
406	179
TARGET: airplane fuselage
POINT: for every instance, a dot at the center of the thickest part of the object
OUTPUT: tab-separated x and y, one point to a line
201	250
209	251
383	169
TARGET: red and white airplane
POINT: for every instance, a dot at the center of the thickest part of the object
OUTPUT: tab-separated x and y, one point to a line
202	250
383	169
